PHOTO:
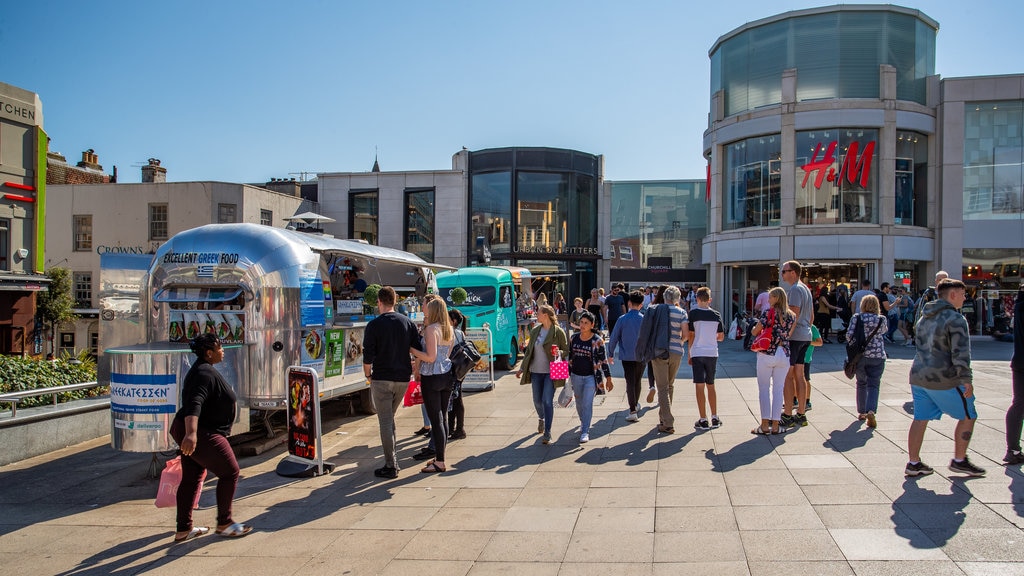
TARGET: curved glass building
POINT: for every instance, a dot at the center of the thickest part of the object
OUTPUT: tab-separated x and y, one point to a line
821	147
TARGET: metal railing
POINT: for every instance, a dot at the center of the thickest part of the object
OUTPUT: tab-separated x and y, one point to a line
14	397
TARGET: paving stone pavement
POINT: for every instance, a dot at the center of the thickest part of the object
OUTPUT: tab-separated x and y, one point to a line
829	498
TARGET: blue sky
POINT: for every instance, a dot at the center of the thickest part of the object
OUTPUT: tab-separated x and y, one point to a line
248	91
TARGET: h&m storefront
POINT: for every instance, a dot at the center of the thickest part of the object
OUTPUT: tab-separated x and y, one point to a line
819	150
537	208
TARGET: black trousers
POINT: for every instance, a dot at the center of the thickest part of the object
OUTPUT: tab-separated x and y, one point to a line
1015	415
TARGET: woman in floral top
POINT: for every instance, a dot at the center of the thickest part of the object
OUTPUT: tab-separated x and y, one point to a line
773	363
586	364
872	364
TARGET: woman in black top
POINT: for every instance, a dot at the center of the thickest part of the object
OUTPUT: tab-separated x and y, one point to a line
200	428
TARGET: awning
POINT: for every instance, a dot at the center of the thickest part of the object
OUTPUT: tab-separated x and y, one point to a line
193	294
23	282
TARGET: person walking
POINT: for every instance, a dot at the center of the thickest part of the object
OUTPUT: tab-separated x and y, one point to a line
614	306
586	364
535	369
872	363
1015	415
201	427
595	305
388	367
705	332
456	408
662	338
801	303
823	314
773	363
435	377
622	343
941	379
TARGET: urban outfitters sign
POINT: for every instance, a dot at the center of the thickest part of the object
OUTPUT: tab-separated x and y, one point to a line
854	169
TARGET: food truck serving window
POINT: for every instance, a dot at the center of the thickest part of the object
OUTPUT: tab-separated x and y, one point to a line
193	294
475	295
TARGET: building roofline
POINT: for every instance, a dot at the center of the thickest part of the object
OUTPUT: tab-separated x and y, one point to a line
823	10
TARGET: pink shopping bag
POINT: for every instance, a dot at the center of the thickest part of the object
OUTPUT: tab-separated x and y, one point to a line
170	479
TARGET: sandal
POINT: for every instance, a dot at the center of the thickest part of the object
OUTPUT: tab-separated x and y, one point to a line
433	468
760	431
236	530
195	532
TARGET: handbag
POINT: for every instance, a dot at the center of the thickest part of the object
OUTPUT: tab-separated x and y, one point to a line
559	368
413	394
763	341
464	357
837	324
170	479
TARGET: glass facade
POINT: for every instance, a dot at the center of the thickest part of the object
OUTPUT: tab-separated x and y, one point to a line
658	220
364	211
836	176
993	160
419	223
752	182
836	54
911	191
536	206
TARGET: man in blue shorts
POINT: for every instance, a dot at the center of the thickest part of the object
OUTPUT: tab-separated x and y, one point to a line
941	379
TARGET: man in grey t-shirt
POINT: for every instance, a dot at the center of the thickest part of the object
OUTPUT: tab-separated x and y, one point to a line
802	304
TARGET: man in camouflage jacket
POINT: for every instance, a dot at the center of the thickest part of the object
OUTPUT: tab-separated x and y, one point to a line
941	380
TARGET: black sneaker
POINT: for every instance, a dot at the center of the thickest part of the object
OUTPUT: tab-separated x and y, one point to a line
919	469
787	420
386	472
702	425
424	454
800	420
965	467
458	435
1013	458
716	422
808	405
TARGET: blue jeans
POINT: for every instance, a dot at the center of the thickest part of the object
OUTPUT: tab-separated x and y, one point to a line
543	398
894	323
584	389
869	378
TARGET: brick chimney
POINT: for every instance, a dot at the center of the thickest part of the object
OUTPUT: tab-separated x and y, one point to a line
154	172
90	160
287	186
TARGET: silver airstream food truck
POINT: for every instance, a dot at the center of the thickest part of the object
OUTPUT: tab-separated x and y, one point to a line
275	297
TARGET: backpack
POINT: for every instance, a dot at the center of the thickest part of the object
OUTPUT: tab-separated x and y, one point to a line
463	356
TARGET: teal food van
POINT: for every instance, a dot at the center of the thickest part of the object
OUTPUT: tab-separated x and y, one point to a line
492	296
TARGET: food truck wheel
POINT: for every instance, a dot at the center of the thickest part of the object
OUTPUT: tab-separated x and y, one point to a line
507	361
366	405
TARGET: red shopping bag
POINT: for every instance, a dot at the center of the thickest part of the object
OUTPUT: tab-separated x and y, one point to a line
170	479
413	394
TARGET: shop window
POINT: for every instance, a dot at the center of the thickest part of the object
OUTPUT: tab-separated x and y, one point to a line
491	212
836	176
158	221
364	210
911	183
83	232
753	183
993	160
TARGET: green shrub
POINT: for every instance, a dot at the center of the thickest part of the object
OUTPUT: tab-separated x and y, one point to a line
17	375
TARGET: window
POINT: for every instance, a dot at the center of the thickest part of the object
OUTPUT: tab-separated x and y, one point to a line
363	208
836	176
83	289
994	160
5	244
158	221
491	211
626	253
83	233
226	213
67	343
752	184
94	344
419	223
266	217
911	178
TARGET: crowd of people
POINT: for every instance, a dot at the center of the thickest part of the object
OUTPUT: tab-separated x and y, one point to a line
646	330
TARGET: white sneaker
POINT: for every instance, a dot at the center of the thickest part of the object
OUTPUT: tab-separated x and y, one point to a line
632	417
584	438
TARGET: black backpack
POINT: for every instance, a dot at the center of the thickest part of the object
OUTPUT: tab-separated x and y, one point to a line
856	344
463	356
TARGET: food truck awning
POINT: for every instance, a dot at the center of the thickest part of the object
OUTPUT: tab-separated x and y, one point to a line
366	251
